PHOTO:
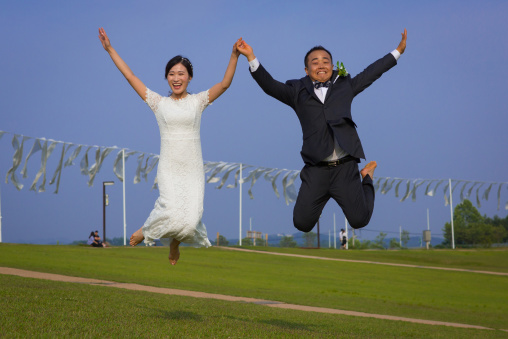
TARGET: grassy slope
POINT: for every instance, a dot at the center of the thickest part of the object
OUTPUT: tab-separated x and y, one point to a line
495	260
410	292
39	308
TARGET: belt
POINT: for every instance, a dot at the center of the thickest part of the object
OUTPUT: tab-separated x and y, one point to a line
338	162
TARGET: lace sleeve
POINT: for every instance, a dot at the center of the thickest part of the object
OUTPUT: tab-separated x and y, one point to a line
203	100
152	99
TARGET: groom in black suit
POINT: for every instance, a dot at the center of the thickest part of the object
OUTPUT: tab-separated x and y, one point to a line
331	147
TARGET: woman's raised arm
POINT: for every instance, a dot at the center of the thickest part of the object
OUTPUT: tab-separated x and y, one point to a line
221	87
133	80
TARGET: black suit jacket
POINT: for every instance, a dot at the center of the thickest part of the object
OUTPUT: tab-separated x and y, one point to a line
323	122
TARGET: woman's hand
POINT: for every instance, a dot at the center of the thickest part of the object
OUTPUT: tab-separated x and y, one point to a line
236	52
103	37
133	80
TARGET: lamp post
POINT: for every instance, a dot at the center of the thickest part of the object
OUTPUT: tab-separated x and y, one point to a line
105	202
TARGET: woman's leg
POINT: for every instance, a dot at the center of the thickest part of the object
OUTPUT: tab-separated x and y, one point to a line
174	251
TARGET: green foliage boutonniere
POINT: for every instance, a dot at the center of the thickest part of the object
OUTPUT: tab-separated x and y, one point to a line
342	70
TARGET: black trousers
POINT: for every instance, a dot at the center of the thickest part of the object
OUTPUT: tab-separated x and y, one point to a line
342	183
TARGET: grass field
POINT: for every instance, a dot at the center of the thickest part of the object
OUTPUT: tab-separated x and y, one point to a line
37	307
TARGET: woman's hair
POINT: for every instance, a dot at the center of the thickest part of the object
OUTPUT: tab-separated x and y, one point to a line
92	234
179	60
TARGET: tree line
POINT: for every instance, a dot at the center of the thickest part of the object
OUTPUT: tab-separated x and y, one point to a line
471	229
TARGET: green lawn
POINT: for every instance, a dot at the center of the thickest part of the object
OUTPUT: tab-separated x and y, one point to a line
39	308
495	260
462	297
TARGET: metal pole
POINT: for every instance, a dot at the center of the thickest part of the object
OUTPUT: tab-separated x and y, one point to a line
400	236
329	239
451	212
354	238
318	235
124	212
104	198
347	237
104	212
241	181
428	222
334	233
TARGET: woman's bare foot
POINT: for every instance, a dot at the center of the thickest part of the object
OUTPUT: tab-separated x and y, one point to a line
136	237
369	169
174	251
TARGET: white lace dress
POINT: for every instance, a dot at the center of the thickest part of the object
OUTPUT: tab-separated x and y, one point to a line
178	210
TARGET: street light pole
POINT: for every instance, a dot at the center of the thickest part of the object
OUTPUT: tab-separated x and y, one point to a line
104	203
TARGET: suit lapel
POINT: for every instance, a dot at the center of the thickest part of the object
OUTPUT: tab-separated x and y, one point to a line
310	87
332	79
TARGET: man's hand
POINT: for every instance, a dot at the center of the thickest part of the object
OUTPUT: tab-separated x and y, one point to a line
245	49
402	45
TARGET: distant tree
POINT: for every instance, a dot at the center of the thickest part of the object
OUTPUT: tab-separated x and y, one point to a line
309	238
79	242
361	245
404	238
115	241
246	242
379	242
287	241
471	228
499	222
394	243
223	241
261	242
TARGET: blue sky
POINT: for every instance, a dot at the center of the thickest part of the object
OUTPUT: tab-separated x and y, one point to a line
440	113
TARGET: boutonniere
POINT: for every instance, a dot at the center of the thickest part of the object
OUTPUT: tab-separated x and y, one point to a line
342	70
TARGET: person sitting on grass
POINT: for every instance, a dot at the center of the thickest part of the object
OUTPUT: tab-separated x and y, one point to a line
97	240
91	238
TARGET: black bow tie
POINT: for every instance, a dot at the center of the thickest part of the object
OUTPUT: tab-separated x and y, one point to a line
318	84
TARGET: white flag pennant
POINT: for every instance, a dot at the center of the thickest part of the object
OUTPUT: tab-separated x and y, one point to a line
16	161
84	162
118	164
46	153
227	170
58	171
99	159
73	156
36	147
273	180
219	172
499	196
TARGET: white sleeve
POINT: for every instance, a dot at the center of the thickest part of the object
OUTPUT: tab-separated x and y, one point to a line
152	99
204	100
254	64
396	54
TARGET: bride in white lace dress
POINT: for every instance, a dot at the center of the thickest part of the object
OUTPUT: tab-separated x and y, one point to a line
180	175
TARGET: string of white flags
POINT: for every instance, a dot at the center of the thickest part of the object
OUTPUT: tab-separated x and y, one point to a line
92	158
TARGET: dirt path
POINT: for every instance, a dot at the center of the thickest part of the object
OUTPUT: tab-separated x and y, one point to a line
363	261
269	303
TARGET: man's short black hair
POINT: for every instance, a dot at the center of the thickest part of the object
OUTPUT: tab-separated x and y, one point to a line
316	48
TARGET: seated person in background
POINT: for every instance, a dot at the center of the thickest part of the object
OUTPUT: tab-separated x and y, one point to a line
91	238
97	240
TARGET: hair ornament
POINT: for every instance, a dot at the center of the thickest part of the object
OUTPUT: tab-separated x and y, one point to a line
188	62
